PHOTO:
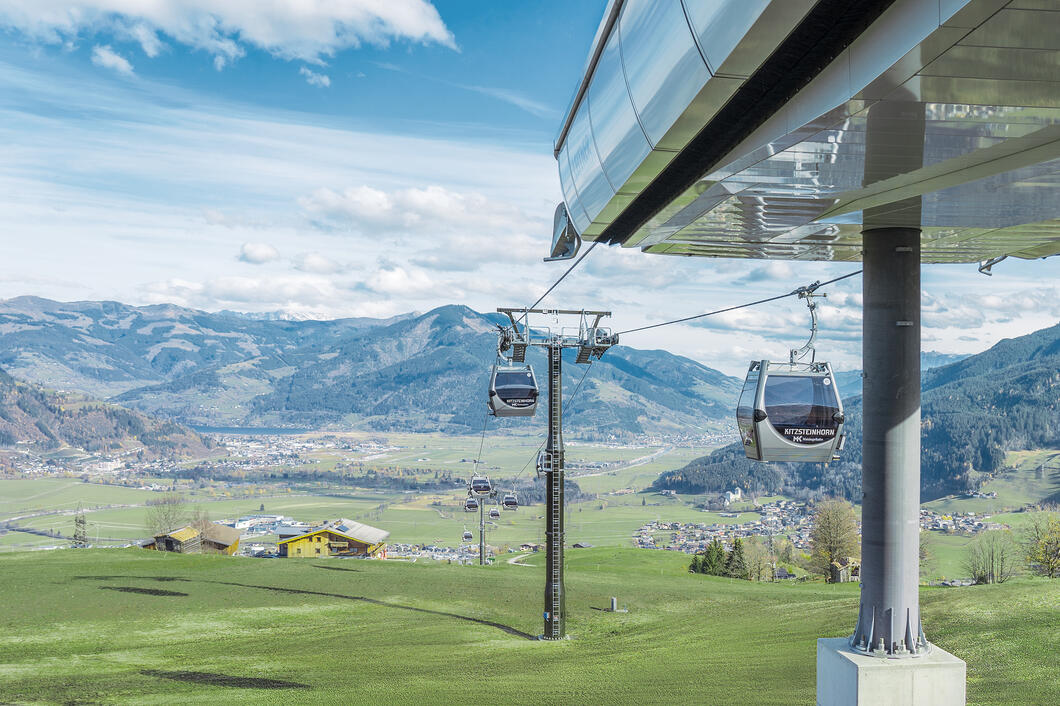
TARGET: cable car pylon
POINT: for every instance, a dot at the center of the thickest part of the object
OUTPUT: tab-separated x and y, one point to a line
592	341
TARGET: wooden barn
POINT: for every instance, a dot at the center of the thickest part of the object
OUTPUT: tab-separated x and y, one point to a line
339	538
220	539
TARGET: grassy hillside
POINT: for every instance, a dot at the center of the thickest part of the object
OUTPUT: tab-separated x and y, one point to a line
129	626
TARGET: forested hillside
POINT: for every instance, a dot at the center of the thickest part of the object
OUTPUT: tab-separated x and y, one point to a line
43	419
973	411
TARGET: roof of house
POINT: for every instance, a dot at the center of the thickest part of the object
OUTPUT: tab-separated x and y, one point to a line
347	528
222	534
181	534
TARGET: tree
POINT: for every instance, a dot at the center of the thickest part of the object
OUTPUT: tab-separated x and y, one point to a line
758	559
834	535
713	562
166	513
696	565
1041	545
735	564
262	508
784	549
991	557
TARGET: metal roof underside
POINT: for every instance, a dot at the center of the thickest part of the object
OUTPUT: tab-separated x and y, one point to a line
958	135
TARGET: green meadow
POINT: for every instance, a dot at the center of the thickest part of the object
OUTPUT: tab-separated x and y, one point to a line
132	626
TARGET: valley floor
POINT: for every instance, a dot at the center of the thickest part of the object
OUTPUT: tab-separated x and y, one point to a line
131	626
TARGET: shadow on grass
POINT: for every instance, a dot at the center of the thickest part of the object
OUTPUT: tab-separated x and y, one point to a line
303	592
161	579
375	601
144	591
211	679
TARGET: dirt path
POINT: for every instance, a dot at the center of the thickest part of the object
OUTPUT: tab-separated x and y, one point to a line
514	561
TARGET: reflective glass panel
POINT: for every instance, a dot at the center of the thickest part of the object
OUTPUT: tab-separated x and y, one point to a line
801	407
619	139
593	190
663	66
515	379
721	24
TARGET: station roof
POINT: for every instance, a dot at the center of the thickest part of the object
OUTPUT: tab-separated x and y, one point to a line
780	129
347	528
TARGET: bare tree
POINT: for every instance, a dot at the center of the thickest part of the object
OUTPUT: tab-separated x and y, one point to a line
991	557
200	521
166	513
757	559
834	535
1041	544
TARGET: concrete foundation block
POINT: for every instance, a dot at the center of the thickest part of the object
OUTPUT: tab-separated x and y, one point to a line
847	678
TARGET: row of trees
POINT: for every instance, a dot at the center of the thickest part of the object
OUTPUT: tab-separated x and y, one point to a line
834	539
750	560
996	556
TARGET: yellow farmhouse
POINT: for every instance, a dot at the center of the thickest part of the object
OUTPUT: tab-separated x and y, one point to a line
338	538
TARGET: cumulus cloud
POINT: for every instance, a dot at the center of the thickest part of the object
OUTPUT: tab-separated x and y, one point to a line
315	79
434	207
289	29
104	56
257	253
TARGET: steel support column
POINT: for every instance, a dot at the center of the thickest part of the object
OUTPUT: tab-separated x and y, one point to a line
889	616
482	532
555	598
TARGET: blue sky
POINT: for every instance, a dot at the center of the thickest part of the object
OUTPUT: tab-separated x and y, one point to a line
364	158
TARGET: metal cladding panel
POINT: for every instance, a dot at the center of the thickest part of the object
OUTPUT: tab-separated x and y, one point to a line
720	26
664	69
592	186
977	108
570	194
619	139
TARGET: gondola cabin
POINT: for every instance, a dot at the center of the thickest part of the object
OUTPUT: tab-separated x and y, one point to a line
510	502
467	536
790	412
481	485
494	513
470	504
513	391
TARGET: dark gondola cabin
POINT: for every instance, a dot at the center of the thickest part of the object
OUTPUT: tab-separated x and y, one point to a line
513	391
494	513
790	412
510	501
470	504
481	485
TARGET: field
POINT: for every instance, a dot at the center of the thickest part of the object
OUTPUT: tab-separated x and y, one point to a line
1035	479
130	626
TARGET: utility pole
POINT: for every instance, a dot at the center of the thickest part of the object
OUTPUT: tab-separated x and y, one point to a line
591	341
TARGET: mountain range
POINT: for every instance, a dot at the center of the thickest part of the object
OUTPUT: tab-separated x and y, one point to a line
424	372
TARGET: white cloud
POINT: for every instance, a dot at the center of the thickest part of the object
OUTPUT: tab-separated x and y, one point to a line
290	29
316	263
103	55
432	208
315	79
257	253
